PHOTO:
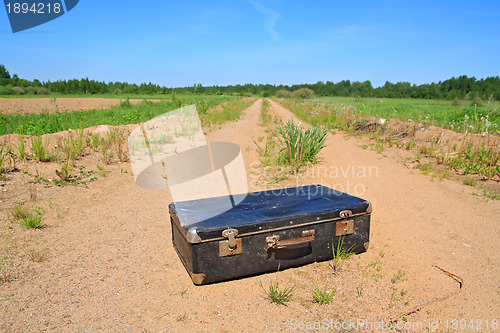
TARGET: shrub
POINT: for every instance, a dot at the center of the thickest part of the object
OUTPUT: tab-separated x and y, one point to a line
18	91
125	104
283	93
30	91
6	91
267	93
42	91
303	93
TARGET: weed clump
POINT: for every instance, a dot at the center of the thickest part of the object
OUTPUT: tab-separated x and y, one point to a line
27	217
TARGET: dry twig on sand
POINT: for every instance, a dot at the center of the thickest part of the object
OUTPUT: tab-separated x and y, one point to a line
453	276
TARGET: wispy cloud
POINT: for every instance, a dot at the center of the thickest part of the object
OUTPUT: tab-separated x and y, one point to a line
272	17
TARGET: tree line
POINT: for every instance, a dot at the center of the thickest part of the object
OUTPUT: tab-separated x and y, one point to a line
461	87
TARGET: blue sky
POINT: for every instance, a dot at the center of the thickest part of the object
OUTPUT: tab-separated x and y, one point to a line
174	43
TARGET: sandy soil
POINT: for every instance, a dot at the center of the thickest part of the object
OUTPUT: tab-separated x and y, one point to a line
52	105
109	263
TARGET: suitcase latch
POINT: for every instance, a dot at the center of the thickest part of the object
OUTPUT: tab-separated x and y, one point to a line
343	228
232	245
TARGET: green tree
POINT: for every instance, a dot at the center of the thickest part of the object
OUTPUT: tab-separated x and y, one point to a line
4	73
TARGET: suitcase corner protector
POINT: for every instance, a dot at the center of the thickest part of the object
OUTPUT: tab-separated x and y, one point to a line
198	278
366	245
192	236
369	209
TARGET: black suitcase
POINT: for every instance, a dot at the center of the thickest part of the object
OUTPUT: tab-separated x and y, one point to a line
267	231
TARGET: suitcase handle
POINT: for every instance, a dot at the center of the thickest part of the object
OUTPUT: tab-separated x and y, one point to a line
274	241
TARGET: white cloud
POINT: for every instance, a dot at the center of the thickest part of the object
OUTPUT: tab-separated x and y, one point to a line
272	17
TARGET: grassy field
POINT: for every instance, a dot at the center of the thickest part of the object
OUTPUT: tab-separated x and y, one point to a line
475	116
124	113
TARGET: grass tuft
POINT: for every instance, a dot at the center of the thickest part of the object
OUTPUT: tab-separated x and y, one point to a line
277	295
27	217
41	150
340	255
300	146
323	296
36	256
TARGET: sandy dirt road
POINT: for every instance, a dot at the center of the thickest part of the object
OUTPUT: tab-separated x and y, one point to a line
110	264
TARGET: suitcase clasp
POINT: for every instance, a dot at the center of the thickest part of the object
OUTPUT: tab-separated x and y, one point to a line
345	214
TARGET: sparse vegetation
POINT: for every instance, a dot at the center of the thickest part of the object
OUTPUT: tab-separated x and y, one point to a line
361	287
226	112
27	217
399	276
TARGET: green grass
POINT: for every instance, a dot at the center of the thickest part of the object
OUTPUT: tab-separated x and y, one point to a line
442	113
265	115
123	114
399	276
277	295
323	296
340	255
477	159
469	181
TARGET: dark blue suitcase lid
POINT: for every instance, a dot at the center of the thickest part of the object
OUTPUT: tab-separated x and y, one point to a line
266	210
